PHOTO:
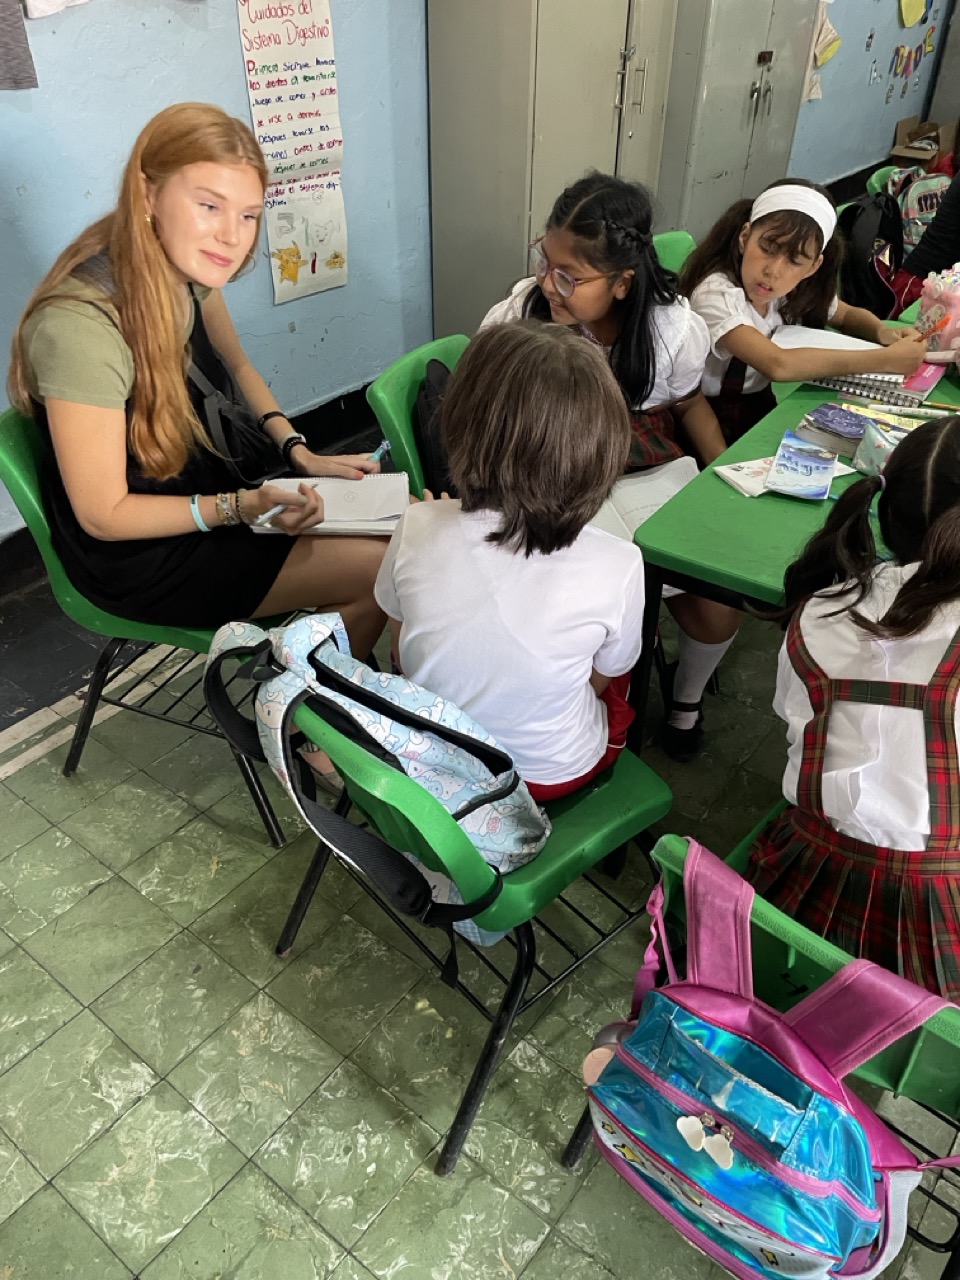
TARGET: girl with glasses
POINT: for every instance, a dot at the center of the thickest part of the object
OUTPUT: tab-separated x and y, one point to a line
596	272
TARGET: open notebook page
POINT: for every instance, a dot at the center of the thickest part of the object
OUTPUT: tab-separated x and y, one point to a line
635	498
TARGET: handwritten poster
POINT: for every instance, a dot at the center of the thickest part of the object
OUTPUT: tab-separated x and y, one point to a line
291	75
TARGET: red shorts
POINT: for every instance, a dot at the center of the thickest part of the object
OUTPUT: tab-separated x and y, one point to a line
620	716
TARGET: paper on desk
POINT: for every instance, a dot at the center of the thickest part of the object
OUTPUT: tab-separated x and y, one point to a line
635	498
792	336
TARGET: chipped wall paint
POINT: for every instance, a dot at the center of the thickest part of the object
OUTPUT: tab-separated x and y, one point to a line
106	67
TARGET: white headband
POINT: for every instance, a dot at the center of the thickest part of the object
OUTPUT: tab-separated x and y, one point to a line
797	199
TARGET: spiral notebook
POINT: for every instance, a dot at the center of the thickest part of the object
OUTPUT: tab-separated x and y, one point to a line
890	388
371	505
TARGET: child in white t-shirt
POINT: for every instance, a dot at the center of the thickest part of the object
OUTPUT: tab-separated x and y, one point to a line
596	271
773	262
508	601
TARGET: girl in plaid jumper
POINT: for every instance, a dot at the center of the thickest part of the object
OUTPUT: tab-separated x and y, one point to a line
867	851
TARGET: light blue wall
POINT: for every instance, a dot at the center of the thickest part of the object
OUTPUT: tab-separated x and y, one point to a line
107	66
852	126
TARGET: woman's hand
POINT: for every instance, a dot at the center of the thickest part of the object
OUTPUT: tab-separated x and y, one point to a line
887	334
302	510
351	466
904	356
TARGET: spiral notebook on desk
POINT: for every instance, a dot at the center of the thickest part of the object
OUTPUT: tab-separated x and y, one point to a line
889	388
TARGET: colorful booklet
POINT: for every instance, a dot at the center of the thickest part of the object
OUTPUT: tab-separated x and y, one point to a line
749	478
832	427
801	469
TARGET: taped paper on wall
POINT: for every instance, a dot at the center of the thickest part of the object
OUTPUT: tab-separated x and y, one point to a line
291	75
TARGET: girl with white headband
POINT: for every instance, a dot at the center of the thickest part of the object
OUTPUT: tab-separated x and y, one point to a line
770	263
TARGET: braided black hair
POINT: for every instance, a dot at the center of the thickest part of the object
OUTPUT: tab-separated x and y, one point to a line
611	220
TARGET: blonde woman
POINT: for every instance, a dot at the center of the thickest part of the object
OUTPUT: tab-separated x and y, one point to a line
127	358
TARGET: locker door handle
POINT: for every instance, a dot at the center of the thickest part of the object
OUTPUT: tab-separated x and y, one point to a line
768	96
754	97
618	93
640	86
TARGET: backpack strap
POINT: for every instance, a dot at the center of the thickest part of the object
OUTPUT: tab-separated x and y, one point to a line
251	644
718	903
859	1012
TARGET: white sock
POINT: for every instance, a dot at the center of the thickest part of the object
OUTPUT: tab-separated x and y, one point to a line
697	664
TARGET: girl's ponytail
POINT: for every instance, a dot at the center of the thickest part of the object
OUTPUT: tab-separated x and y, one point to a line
842	554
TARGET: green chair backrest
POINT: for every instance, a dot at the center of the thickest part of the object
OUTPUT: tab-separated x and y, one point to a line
878	179
22	459
673	249
586	825
393	398
912	313
789	960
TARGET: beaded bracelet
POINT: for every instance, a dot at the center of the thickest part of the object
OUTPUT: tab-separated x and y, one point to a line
265	417
197	517
288	444
225	509
240	512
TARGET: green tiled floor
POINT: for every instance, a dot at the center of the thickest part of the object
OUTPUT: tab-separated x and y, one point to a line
178	1103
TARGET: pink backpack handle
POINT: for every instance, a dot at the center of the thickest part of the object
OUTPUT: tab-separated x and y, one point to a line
718	902
859	1012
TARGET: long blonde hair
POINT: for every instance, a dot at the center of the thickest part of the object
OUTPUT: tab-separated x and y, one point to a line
163	428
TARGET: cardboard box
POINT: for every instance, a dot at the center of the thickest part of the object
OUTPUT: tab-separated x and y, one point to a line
911	131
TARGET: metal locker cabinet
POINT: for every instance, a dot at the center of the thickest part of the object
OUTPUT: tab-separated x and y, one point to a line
525	96
730	115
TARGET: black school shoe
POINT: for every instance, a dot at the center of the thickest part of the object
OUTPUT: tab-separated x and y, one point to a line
681	745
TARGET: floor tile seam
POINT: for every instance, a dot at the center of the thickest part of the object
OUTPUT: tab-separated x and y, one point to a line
48	1184
53	978
38	751
245	1160
433	1150
249	1164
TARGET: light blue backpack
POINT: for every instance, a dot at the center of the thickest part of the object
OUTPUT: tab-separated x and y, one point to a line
430	739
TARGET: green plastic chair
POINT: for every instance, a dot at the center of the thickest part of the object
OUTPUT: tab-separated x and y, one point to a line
587	826
912	313
673	249
22	460
393	398
878	179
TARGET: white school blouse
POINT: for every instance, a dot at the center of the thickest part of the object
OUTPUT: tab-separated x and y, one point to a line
724	306
874	773
512	639
680	339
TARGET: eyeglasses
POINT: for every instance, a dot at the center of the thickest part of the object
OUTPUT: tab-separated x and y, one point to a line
564	284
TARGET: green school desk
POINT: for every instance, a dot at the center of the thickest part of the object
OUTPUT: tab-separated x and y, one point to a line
715	542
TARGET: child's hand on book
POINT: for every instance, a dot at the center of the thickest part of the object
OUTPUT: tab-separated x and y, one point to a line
888	334
905	356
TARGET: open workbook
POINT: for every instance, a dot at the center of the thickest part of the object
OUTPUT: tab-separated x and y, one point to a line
371	505
635	498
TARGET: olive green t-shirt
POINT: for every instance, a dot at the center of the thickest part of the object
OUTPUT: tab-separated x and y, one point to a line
76	352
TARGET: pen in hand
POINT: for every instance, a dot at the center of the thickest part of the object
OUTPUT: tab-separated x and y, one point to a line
268	515
380	452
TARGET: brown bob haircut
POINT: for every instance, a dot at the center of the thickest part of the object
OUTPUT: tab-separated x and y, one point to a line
535	428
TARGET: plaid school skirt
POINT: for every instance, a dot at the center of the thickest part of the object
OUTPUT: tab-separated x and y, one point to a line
900	909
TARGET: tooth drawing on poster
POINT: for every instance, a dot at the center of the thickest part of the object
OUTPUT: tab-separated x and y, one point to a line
291	74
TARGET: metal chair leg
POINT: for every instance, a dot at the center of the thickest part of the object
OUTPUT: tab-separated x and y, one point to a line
90	703
309	886
492	1050
260	799
573	1152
